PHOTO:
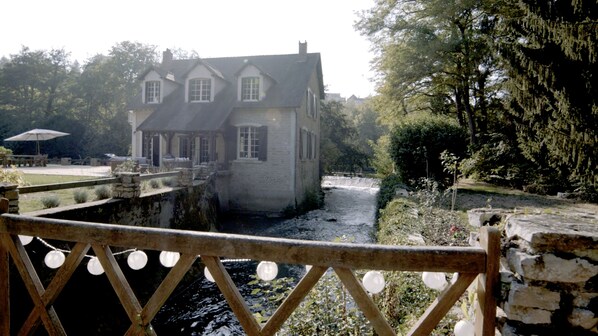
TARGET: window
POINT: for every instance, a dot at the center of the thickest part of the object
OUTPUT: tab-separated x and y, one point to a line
312	104
204	150
250	88
307	142
152	92
184	147
200	89
249	143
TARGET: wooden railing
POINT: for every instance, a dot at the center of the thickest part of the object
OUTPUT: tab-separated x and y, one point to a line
469	262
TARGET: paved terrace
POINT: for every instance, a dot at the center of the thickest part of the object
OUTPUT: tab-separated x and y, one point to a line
80	170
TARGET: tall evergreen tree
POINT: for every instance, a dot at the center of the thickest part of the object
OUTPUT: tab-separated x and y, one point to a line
551	50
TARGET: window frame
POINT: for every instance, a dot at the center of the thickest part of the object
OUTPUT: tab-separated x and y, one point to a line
250	88
203	92
248	149
154	87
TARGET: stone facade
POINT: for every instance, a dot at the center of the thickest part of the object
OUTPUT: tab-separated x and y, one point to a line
549	274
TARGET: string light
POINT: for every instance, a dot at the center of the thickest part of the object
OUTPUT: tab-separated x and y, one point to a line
54	259
464	328
267	270
25	239
373	281
94	267
434	280
208	275
168	258
137	260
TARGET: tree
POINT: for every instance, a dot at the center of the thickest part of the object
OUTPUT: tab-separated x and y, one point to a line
338	148
551	53
435	56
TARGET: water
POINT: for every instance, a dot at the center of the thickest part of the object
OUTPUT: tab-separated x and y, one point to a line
348	214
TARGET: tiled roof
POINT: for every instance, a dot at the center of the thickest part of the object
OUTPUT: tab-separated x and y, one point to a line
290	73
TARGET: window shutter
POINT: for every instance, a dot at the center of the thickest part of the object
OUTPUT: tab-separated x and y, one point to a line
230	140
263	139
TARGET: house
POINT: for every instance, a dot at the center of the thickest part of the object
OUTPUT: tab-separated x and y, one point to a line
256	118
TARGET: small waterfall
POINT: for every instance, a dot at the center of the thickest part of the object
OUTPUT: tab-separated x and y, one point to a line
346	181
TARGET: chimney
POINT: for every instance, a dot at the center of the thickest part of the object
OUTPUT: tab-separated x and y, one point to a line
166	57
302	48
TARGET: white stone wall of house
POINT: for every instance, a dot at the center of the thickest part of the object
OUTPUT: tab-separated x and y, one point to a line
264	186
549	273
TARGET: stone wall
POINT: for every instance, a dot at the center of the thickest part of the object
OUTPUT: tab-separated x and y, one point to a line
549	275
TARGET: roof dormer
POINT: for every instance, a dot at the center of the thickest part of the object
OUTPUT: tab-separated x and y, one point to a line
152	88
252	83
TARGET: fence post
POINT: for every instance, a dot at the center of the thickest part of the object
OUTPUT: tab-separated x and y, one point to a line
4	280
129	185
487	283
11	193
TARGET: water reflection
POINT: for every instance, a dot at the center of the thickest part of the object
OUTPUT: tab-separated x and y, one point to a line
200	308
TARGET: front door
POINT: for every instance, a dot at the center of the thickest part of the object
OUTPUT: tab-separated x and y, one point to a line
156	151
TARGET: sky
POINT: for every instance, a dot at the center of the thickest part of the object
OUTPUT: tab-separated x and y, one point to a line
214	28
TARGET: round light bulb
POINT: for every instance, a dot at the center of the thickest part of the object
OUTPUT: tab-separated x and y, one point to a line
464	328
267	270
434	280
54	259
169	259
137	260
373	281
25	239
94	266
208	275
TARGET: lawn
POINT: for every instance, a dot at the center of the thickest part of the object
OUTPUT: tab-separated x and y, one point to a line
33	201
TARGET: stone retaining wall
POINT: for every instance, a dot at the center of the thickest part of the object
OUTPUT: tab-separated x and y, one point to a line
549	275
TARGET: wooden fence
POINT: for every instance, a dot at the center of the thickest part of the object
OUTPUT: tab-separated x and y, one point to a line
469	262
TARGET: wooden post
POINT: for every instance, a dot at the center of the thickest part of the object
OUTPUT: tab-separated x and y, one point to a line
4	288
487	285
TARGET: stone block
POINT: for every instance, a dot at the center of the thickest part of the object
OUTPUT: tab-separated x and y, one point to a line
583	318
484	216
527	315
583	300
549	267
533	297
552	233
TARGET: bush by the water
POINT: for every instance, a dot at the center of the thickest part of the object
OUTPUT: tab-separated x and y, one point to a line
416	145
102	192
80	196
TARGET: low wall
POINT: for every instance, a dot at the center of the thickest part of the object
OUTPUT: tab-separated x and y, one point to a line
549	274
194	207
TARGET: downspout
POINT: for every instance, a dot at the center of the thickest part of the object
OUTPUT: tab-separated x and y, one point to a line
293	155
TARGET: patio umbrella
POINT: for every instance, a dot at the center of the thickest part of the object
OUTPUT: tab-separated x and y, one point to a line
37	135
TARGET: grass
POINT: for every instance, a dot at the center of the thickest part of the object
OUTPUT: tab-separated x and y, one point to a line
33	202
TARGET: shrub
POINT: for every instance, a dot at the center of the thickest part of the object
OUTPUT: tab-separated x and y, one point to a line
102	192
417	143
5	151
12	175
80	196
168	182
154	184
388	187
126	166
50	201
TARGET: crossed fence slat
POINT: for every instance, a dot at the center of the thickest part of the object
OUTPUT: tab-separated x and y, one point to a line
469	262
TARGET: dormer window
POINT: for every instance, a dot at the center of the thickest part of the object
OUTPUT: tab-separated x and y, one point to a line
152	92
250	88
200	90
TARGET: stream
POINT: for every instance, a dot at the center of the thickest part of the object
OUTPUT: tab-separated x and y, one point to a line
348	215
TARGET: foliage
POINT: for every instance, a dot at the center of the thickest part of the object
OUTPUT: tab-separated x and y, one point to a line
102	192
328	309
127	166
12	175
50	201
405	297
388	188
382	162
5	151
268	295
550	52
338	148
435	56
45	89
168	182
416	145
154	184
80	195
